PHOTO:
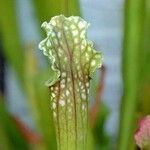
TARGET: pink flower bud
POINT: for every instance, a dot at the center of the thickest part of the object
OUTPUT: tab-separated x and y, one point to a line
142	135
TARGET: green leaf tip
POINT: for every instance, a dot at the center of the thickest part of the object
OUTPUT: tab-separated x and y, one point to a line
67	47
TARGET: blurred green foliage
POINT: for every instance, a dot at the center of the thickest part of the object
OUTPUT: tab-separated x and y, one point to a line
101	138
10	136
45	9
136	70
10	36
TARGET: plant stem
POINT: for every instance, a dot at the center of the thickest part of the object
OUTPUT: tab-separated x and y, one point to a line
132	48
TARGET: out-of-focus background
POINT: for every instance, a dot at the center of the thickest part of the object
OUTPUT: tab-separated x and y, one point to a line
120	29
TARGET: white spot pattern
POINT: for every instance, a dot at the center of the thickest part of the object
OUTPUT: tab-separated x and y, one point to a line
62	102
